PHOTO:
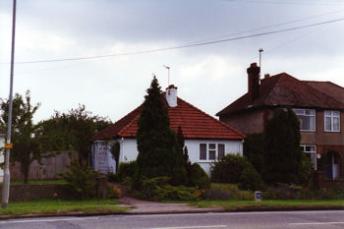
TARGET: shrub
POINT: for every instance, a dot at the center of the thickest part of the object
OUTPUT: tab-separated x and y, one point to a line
158	188
228	169
127	170
81	180
198	177
226	192
250	179
112	177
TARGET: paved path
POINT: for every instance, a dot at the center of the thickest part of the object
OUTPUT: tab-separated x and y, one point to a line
150	207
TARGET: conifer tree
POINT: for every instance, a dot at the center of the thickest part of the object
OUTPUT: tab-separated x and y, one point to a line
157	143
283	157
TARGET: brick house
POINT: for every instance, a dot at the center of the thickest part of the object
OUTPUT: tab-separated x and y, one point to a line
318	105
206	138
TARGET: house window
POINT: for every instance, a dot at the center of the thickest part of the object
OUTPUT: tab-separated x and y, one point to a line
332	121
306	118
211	151
311	153
203	151
221	151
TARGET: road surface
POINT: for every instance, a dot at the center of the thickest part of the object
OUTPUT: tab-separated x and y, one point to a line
256	220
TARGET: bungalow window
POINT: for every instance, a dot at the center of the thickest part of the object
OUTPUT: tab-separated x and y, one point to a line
221	151
306	118
332	121
211	151
311	153
203	151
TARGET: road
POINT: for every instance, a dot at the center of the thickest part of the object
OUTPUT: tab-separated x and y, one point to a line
256	220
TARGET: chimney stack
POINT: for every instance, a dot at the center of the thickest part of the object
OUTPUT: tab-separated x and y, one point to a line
253	81
171	96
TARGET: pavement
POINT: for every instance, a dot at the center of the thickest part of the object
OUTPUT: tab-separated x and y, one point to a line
234	220
137	206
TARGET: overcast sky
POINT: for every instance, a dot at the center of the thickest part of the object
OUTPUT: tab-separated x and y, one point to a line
210	76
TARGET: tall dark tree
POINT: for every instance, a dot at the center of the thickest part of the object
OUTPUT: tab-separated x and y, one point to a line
254	151
26	147
157	143
283	157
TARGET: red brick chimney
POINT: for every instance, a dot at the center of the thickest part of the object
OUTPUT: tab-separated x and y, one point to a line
253	81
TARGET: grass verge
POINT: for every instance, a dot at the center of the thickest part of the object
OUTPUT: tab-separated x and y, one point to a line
249	205
61	207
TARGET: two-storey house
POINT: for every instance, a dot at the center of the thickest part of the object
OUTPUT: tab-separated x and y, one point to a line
318	105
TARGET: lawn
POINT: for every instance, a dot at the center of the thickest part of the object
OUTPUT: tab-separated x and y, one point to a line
40	182
249	205
47	207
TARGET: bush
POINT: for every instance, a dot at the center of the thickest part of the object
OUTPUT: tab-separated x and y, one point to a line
81	180
250	179
228	169
114	178
236	169
129	169
226	192
158	189
198	177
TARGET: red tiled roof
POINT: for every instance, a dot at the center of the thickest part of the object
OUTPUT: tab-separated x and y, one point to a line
194	123
284	90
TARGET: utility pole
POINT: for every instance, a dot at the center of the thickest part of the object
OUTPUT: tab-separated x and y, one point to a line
8	145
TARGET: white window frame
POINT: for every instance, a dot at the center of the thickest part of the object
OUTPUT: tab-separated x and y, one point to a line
307	113
332	115
312	150
208	151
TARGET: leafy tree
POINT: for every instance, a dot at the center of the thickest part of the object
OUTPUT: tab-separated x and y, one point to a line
25	138
157	143
72	131
283	157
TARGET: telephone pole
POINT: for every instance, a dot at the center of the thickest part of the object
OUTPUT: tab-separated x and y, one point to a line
8	145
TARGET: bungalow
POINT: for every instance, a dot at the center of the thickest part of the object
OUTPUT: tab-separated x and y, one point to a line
206	138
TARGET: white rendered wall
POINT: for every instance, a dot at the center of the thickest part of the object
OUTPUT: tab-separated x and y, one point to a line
231	147
129	152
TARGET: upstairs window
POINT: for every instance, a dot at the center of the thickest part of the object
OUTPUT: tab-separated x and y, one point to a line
332	121
211	151
306	118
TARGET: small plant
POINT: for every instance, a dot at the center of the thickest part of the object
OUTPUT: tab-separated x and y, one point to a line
81	180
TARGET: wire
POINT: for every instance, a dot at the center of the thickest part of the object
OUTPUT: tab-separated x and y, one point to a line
211	42
287	2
